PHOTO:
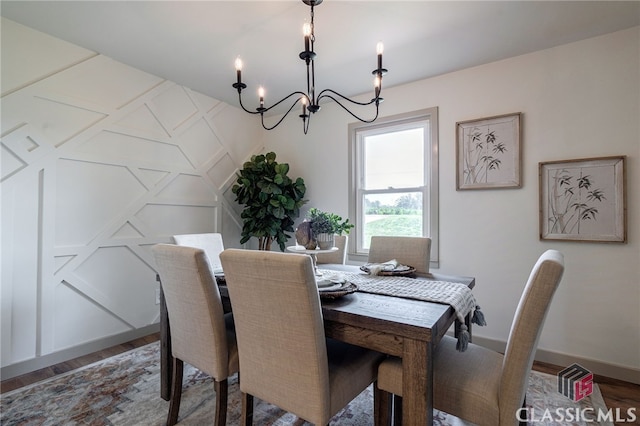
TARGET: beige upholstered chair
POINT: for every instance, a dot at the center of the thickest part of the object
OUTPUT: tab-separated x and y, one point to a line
211	243
337	257
413	251
200	332
480	385
285	358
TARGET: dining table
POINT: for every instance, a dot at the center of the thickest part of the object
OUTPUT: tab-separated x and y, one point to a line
404	327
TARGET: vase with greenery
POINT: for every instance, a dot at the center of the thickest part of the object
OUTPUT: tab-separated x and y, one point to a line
271	200
325	226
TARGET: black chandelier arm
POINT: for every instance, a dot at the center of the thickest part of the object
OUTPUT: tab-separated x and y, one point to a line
324	94
285	114
243	107
375	100
263	110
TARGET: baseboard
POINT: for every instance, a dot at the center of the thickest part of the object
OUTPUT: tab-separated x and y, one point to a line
30	365
563	360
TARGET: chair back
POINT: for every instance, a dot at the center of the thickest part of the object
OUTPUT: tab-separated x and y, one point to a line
194	305
526	329
279	327
336	257
211	244
412	251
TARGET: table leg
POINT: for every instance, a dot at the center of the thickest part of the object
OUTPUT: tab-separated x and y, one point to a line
417	383
166	359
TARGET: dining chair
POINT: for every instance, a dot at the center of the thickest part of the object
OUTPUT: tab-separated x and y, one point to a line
480	385
211	243
201	334
337	257
285	358
412	251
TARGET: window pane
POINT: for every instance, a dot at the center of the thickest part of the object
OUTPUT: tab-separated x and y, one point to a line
397	214
394	160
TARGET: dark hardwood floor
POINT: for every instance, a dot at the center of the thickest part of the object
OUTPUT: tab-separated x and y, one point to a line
616	393
63	367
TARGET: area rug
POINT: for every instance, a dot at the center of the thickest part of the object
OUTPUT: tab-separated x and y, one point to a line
125	390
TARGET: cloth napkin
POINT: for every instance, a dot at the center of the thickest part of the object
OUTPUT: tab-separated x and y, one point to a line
390	265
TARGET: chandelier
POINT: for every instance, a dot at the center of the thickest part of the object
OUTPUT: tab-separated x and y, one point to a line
309	100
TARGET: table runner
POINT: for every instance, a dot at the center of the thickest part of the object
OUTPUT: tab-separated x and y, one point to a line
457	295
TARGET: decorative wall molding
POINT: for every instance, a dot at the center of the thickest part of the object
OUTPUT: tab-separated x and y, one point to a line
99	162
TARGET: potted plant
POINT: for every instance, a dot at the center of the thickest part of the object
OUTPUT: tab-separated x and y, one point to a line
324	226
271	200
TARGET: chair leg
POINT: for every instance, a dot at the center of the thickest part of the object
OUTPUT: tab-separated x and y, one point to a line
381	406
397	410
247	409
176	392
221	388
524	405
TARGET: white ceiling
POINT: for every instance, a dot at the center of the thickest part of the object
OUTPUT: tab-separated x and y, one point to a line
195	43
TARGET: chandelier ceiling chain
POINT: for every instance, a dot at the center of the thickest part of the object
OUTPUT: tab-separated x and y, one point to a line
311	103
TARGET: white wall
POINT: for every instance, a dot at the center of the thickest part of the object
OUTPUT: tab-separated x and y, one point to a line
99	162
578	100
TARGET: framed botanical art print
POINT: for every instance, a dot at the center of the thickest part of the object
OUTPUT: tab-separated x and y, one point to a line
583	200
488	152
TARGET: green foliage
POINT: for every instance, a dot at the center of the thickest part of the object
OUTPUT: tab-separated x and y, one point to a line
394	225
271	200
327	223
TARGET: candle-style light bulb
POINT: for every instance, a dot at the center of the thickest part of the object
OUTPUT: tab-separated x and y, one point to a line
239	70
379	50
261	96
376	85
306	30
303	99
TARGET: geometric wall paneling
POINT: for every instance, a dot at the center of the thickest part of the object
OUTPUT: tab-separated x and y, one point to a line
123	148
126	231
171	219
173	108
121	282
231	227
61	261
22	146
88	197
142	122
230	197
148	177
185	188
59	122
205	103
223	172
107	84
77	319
199	143
101	161
30	64
9	163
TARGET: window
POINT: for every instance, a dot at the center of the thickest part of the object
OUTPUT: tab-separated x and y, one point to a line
394	180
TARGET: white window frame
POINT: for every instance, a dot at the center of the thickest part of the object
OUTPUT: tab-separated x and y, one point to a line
357	132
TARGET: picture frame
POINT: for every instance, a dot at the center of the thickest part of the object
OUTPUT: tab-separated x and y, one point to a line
488	152
583	200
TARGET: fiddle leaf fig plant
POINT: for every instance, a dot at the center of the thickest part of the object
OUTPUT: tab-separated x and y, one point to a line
271	200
